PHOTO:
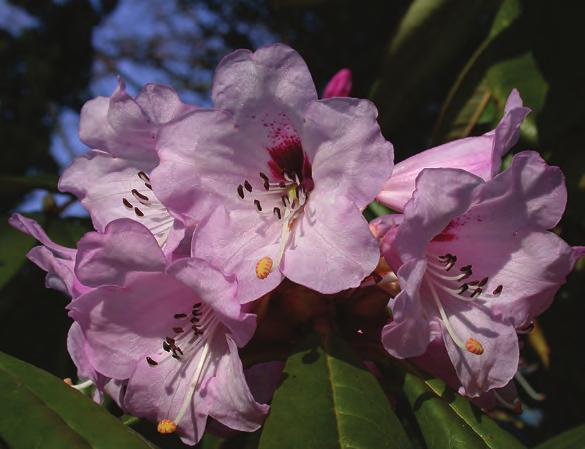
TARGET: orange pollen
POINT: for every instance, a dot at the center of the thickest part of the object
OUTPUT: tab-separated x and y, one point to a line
68	381
166	426
474	346
263	267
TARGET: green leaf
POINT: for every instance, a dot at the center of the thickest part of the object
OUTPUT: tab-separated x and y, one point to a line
38	410
447	419
571	439
24	183
502	62
328	400
427	41
13	248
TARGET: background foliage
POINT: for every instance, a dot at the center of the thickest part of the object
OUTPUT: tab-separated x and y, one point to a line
437	70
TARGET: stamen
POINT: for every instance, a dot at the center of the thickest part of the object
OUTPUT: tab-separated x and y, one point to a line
178	330
476	292
148	186
127	203
498	290
178	316
139	196
528	388
263	267
151	362
471	345
258	206
474	346
241	191
516	406
138	212
166	426
247	186
463	289
143	176
194	382
277	213
166	346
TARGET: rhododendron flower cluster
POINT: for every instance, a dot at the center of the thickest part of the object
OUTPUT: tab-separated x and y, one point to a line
202	213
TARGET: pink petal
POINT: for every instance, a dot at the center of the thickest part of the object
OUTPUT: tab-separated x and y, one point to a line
331	248
478	155
235	242
498	363
125	247
427	213
345	137
220	291
339	85
408	335
124	324
273	78
102	182
230	400
473	154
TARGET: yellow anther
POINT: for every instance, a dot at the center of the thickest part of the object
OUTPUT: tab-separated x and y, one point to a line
474	346
68	381
166	426
263	267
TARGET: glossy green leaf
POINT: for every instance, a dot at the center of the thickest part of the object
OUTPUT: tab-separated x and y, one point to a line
40	411
13	248
447	419
327	400
25	183
571	439
504	61
430	36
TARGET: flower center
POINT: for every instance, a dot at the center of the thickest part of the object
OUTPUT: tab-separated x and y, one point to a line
282	195
146	206
457	287
191	336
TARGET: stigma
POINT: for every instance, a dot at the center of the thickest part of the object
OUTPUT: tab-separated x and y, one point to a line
166	426
263	267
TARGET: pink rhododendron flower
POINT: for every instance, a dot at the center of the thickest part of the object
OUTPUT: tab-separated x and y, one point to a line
160	340
478	155
171	331
478	261
292	171
339	85
112	181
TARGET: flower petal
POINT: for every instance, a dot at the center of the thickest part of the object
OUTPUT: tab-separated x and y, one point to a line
529	193
32	228
472	154
124	324
108	258
478	155
331	249
408	335
127	127
498	363
427	213
220	291
507	132
230	399
352	158
235	242
273	78
102	183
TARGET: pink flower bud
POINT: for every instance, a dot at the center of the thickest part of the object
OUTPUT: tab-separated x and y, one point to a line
339	85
